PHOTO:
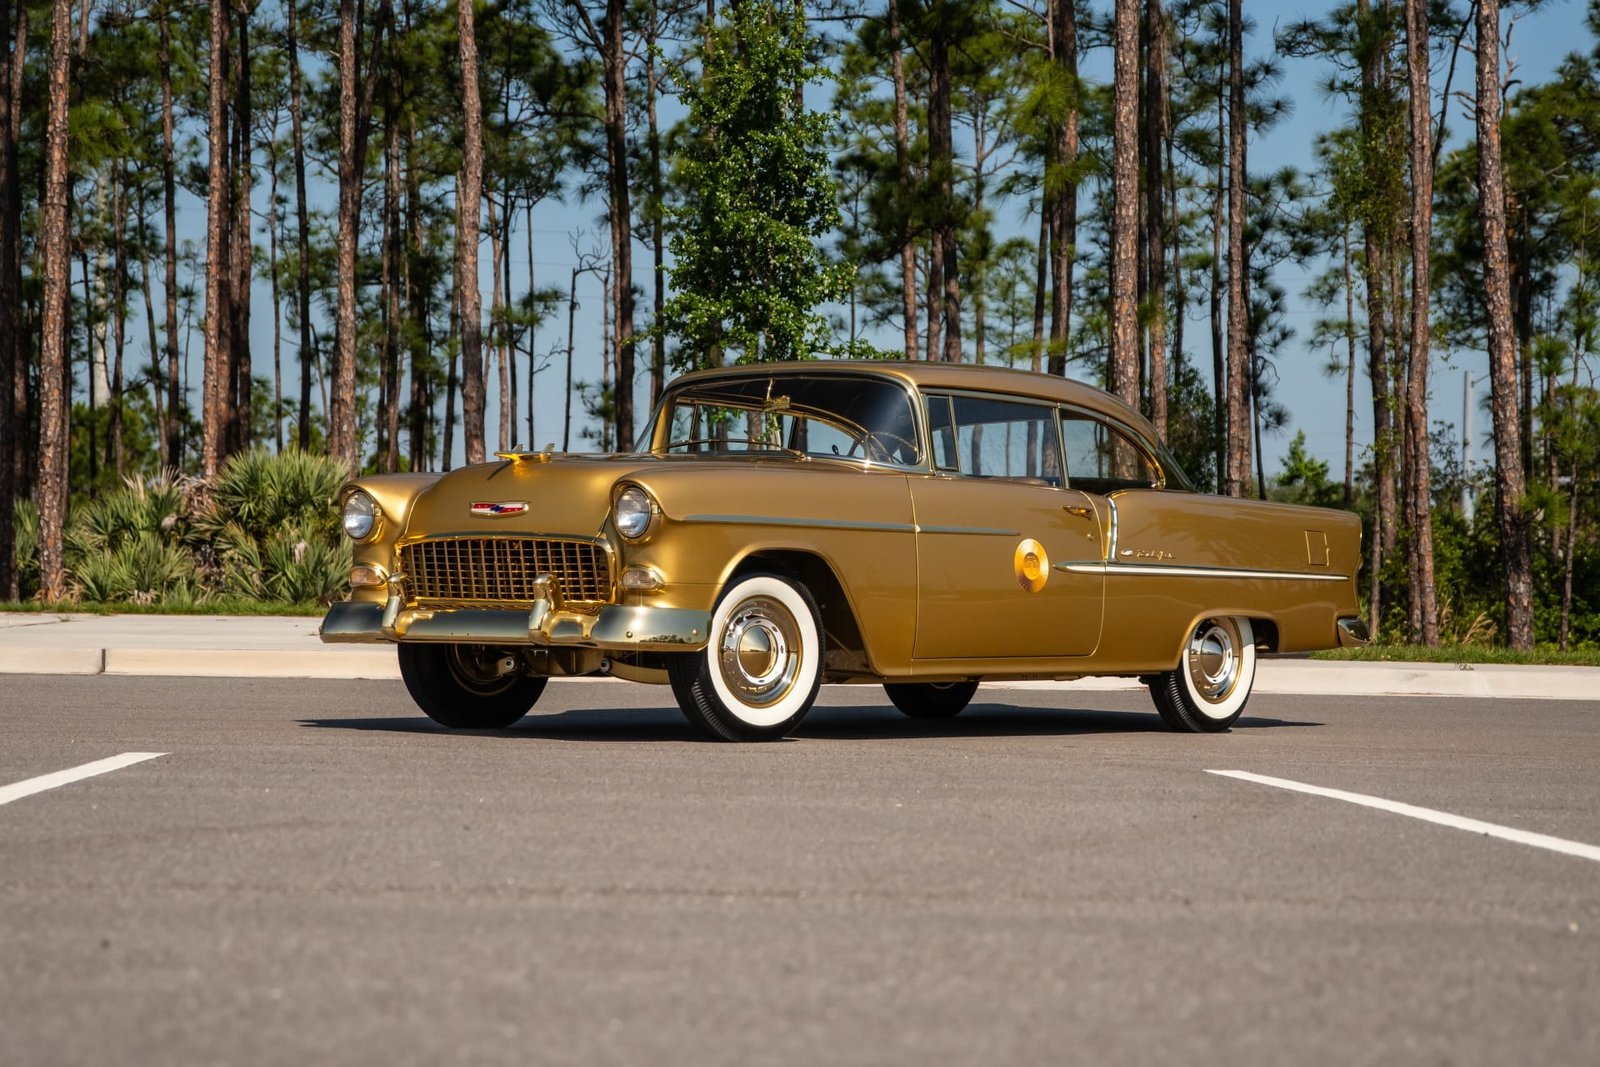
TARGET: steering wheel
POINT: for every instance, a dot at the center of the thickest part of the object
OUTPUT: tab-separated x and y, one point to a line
874	441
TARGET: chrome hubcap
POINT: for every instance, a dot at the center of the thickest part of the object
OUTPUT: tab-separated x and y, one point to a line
1214	651
475	667
759	654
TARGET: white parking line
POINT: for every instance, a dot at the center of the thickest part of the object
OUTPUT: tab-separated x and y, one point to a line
27	788
1443	818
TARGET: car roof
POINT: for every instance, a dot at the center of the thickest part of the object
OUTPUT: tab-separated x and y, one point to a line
937	375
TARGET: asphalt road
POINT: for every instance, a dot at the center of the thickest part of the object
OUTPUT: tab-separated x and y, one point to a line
313	873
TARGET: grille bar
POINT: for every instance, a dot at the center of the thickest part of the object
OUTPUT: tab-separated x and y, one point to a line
501	570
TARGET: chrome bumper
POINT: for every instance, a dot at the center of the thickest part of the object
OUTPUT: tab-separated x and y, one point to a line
1353	633
616	628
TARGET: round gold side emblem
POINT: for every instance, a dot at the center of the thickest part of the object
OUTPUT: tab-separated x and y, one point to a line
1032	565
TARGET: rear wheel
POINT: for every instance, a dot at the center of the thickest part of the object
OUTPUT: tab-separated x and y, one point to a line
759	672
1207	692
465	687
931	700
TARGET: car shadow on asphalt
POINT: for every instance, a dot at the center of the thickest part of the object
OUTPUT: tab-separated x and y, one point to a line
870	722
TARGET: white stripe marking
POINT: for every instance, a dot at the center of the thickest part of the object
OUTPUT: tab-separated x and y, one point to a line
1443	818
27	788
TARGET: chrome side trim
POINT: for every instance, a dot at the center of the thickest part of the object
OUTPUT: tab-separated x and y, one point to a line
1111	543
1168	570
969	530
827	524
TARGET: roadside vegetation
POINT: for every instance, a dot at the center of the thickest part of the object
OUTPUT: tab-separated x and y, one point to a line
1465	655
261	537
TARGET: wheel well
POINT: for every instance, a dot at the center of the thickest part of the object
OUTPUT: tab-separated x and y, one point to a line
1266	633
812	571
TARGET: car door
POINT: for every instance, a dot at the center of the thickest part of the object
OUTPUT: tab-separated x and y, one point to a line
994	523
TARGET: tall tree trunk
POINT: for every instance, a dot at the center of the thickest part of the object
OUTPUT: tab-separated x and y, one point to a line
1125	206
1383	517
302	228
615	62
1509	484
147	298
342	435
658	264
11	362
1158	118
23	470
169	201
1350	375
1219	354
942	165
447	450
240	416
1041	282
116	452
54	252
469	203
218	261
1422	575
1238	476
498	327
277	296
902	171
566	412
420	335
1061	186
392	253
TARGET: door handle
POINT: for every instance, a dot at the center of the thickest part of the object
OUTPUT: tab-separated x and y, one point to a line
1078	510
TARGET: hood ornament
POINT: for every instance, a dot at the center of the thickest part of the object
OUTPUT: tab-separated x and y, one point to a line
499	509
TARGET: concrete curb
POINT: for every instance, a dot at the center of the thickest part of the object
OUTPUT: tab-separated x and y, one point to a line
236	647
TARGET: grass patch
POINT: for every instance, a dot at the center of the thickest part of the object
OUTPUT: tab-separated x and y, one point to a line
1542	655
216	606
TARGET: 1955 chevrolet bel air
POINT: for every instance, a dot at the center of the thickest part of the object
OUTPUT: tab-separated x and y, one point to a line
924	526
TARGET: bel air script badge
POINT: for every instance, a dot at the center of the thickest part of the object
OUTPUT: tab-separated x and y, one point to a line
500	510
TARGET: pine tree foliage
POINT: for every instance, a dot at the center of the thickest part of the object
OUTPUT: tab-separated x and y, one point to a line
757	198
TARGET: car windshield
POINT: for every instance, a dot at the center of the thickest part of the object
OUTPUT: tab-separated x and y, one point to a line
831	416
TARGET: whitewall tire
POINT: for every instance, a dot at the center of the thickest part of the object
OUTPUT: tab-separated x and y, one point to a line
758	674
1207	692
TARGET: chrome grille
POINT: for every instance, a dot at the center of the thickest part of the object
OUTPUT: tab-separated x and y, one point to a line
501	570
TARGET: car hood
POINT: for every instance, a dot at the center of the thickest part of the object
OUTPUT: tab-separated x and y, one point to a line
559	494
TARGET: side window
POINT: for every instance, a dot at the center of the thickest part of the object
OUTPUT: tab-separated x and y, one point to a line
1101	459
1006	439
943	433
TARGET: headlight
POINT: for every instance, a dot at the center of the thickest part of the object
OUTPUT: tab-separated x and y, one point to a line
633	512
360	515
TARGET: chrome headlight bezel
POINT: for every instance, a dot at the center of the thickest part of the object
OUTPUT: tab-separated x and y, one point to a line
360	516
635	513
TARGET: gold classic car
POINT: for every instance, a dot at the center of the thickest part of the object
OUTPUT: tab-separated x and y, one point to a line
923	526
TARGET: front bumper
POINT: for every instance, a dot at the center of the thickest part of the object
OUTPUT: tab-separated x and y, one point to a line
616	628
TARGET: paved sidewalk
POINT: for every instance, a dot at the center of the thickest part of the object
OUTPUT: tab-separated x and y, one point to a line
274	647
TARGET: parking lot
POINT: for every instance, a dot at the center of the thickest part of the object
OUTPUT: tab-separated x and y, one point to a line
309	871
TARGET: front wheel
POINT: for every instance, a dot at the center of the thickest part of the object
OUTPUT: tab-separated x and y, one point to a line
463	686
759	672
1207	692
931	700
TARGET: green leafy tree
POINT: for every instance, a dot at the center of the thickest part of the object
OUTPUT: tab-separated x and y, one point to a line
757	199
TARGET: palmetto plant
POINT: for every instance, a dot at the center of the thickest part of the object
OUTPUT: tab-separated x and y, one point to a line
271	529
265	528
128	544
